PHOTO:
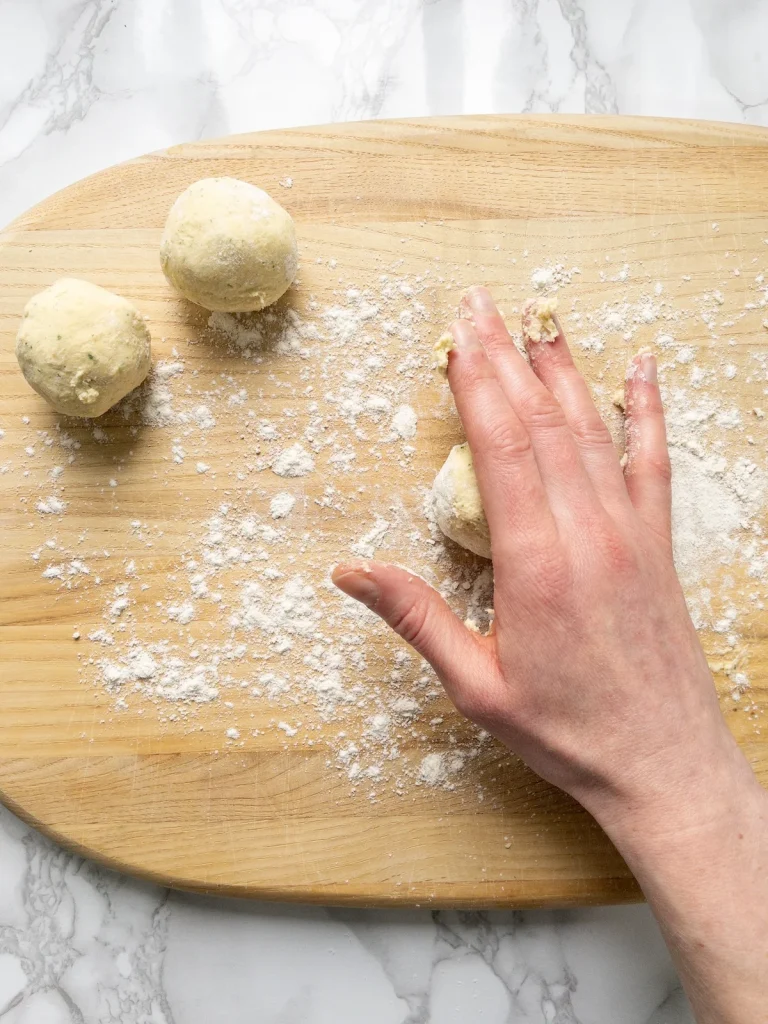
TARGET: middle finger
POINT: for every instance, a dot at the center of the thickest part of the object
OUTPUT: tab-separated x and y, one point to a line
557	456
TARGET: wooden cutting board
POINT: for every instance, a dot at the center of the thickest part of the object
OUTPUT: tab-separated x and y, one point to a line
461	199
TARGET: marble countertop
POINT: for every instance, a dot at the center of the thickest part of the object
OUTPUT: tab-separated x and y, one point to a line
88	83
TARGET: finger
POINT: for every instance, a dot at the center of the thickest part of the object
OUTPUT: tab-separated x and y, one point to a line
419	615
553	364
648	472
557	457
513	494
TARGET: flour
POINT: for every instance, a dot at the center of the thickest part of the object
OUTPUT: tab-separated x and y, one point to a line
158	674
432	769
293	461
282	505
166	369
292	611
178	685
235	581
118	606
182	613
552	277
705	513
404	422
244	334
152	403
142	664
278	330
203	417
368	544
437	770
51	506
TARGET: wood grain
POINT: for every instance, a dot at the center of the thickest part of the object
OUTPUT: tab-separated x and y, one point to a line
271	819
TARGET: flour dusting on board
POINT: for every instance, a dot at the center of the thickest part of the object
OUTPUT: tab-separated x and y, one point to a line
291	444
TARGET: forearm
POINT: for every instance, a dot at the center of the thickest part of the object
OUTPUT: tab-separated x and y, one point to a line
706	879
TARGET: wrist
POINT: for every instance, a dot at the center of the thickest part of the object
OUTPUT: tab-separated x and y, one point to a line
708	791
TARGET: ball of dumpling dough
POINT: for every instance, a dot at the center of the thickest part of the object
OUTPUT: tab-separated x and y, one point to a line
81	347
457	505
228	246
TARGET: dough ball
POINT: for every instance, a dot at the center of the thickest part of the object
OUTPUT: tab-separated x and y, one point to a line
81	347
457	505
228	246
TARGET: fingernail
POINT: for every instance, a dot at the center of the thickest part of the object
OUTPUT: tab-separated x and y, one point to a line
645	362
480	301
355	579
648	363
464	311
464	335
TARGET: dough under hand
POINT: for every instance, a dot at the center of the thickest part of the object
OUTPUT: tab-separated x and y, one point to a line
457	504
228	246
81	347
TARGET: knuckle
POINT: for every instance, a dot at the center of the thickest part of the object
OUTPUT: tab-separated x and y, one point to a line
660	466
409	620
619	557
650	466
472	369
494	339
540	410
591	432
557	360
471	381
507	442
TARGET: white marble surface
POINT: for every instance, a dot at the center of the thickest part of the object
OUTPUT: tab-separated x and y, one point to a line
87	83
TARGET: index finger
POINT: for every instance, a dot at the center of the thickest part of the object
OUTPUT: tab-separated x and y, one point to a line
511	487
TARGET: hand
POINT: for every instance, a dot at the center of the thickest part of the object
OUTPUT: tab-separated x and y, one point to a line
594	674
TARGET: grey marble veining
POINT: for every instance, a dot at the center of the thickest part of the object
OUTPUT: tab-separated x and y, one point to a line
88	83
81	944
85	84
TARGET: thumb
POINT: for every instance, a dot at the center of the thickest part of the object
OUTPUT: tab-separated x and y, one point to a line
421	617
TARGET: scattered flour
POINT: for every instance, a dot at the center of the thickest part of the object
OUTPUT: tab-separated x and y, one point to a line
282	505
367	545
51	506
293	461
182	613
404	422
253	622
552	277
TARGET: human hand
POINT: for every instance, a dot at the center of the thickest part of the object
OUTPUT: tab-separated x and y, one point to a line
594	674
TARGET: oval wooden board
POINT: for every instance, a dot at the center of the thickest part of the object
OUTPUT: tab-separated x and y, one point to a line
268	817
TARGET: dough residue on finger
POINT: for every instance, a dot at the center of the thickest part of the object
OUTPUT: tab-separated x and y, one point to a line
539	323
